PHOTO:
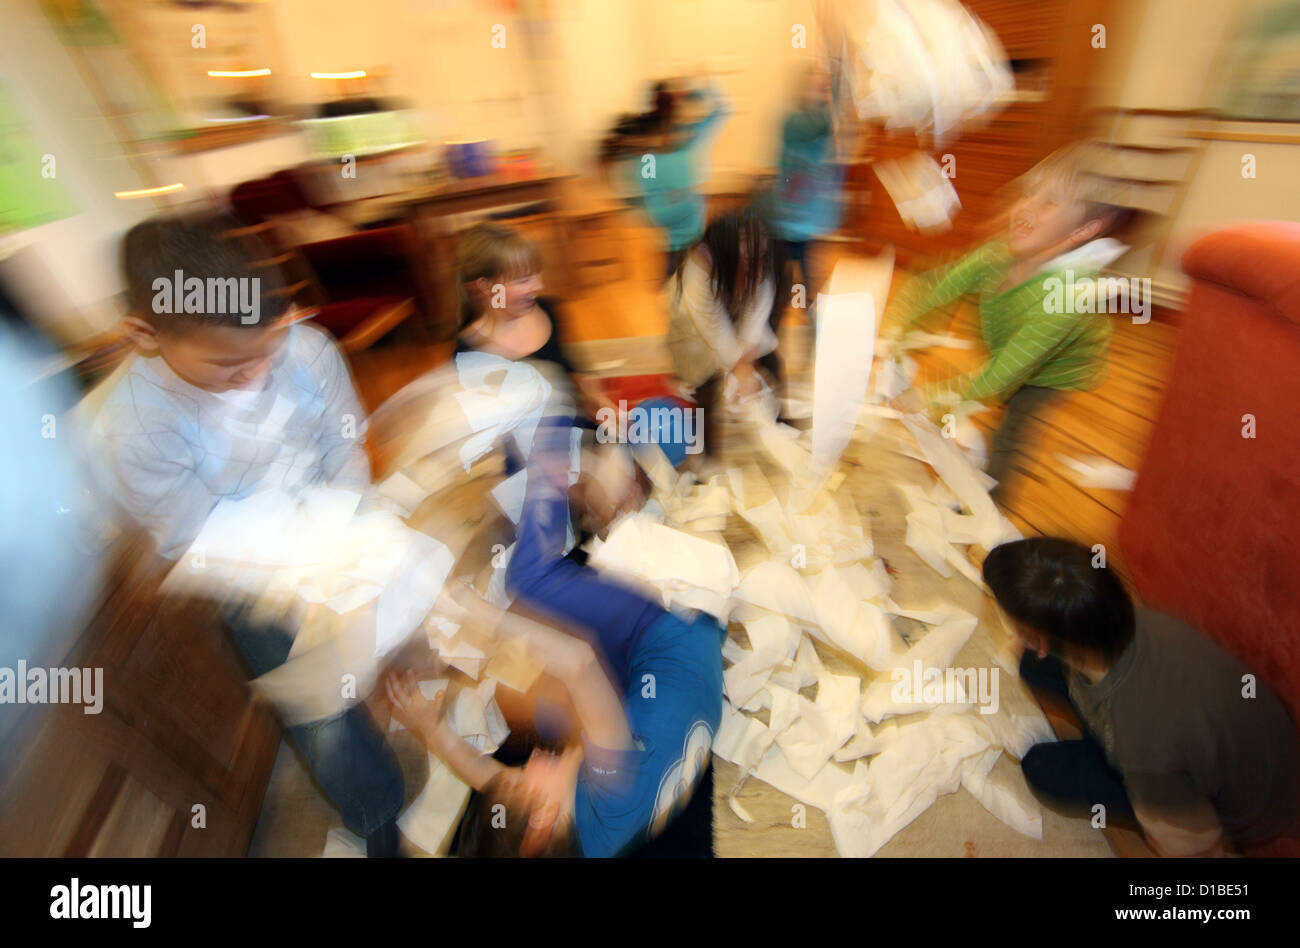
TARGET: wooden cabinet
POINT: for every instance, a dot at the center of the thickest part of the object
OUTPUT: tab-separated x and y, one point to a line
178	731
1049	43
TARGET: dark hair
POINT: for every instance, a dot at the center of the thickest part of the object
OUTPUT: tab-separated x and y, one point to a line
481	839
210	247
726	236
664	111
1051	585
628	129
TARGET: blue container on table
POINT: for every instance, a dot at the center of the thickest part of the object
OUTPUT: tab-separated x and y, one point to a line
470	159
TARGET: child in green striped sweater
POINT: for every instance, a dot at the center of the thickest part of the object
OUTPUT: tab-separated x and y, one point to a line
1056	233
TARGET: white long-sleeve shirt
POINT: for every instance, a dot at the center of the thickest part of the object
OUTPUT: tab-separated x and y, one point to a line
173	451
701	336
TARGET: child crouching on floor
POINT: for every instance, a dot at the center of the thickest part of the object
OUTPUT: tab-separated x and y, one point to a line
1171	742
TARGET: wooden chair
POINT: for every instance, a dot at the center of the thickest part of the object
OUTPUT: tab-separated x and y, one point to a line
360	286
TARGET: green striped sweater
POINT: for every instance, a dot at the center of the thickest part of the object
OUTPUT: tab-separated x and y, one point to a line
1028	344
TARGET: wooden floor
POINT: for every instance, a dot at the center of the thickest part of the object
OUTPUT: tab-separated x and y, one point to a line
1113	422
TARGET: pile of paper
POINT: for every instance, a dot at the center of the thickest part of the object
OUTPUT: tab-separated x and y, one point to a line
315	547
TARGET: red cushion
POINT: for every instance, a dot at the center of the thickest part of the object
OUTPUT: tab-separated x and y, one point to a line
634	389
1260	260
1212	530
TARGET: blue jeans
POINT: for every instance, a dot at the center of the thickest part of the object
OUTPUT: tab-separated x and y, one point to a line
346	755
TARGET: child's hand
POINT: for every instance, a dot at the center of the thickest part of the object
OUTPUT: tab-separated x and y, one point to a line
749	383
417	713
909	402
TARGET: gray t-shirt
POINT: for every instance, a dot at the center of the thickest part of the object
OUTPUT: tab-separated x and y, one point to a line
1173	720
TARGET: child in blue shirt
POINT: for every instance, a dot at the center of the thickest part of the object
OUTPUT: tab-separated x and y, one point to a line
644	684
230	393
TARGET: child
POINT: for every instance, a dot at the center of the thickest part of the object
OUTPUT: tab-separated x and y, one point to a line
1058	226
805	199
503	311
644	684
721	311
667	167
229	394
1170	741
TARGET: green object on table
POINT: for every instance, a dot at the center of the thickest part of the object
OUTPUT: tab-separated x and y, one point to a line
31	192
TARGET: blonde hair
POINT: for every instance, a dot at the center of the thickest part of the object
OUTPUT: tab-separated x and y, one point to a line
491	252
1072	173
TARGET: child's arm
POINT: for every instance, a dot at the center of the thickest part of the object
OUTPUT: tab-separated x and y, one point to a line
152	478
706	128
1011	367
343	425
568	659
938	287
424	718
1176	820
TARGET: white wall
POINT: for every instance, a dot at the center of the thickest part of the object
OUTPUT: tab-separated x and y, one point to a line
75	271
1170	54
600	56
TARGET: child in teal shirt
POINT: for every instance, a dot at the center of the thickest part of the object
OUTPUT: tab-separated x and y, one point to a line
805	197
672	167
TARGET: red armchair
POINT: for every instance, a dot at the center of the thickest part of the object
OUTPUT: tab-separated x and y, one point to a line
1212	530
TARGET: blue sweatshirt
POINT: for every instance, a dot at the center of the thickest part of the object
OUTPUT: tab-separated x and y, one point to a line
670	183
805	200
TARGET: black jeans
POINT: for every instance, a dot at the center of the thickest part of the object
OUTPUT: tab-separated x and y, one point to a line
1027	403
1071	777
675	258
796	251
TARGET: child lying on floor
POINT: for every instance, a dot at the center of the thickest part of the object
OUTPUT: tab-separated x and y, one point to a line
1171	739
1057	230
644	685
